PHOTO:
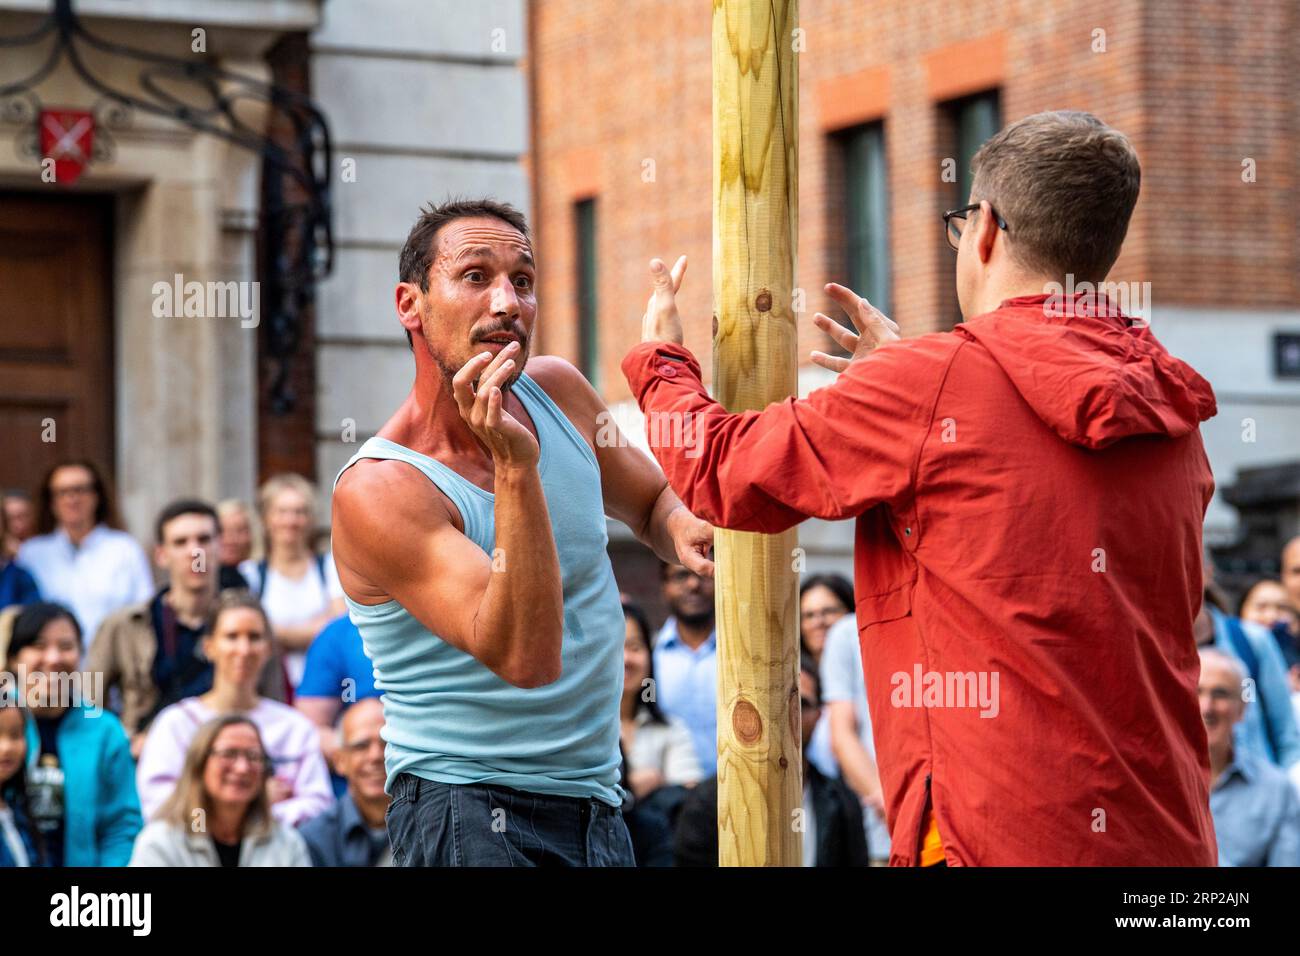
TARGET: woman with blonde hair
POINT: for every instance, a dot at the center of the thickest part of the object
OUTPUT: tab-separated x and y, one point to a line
298	587
219	813
238	642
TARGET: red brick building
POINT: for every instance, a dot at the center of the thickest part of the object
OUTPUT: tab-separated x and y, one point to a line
894	98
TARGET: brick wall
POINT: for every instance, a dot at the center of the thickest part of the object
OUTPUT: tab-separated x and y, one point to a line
1198	86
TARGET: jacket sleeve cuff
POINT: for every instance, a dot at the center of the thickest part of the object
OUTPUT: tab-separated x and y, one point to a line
649	362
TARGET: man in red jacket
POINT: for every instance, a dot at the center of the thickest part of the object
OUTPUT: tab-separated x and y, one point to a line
1029	491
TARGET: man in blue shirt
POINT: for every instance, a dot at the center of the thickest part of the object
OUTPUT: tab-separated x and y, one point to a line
1268	730
17	586
686	661
337	675
353	831
1255	807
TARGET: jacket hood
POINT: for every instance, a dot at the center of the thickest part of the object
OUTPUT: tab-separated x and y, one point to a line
1090	374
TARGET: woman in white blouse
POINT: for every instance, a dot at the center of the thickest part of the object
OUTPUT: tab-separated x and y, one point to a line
299	588
80	559
658	749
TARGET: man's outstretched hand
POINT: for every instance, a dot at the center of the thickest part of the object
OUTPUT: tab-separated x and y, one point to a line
874	328
661	323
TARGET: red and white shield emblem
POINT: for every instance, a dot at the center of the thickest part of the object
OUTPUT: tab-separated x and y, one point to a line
67	137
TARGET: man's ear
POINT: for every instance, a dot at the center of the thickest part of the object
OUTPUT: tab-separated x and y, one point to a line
159	558
408	299
986	232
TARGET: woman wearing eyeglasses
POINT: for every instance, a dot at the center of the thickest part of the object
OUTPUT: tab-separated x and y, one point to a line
823	600
80	558
219	813
238	644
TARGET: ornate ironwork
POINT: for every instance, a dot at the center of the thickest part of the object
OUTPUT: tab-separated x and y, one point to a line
297	236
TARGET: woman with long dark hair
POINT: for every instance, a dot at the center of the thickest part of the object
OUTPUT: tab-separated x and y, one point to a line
659	760
659	750
823	600
79	779
80	558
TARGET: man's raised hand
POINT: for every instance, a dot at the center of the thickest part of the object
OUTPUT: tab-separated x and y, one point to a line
661	323
874	328
509	442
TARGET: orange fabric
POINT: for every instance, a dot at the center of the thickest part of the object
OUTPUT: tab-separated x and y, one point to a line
932	842
1029	491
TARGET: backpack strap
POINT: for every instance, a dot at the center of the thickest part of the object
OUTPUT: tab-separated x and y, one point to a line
1241	646
197	718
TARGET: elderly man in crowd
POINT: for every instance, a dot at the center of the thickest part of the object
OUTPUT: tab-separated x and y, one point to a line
353	832
1256	809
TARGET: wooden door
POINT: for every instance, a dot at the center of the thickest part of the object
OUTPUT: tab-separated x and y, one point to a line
56	334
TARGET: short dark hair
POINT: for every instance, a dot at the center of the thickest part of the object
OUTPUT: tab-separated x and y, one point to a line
419	249
1066	184
183	506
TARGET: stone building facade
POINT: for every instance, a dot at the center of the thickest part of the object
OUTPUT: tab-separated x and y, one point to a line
424	98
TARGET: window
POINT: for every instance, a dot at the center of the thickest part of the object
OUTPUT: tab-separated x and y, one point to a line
588	346
963	127
866	213
975	119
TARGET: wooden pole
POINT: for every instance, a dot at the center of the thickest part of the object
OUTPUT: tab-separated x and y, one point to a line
755	225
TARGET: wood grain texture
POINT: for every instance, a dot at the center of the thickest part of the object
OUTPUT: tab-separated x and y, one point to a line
755	224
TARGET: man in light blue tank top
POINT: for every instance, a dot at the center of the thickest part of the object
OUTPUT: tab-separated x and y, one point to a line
469	536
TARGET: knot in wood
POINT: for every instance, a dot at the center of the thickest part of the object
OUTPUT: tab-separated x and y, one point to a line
746	722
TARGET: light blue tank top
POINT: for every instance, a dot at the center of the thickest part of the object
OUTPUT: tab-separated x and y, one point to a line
448	717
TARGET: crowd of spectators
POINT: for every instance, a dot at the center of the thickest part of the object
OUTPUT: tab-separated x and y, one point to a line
214	706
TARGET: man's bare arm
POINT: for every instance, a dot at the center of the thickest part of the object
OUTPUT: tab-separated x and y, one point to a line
634	487
394	531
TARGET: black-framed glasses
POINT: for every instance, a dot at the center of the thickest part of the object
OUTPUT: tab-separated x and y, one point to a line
953	232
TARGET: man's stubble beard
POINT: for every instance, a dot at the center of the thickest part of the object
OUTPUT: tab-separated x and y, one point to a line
448	374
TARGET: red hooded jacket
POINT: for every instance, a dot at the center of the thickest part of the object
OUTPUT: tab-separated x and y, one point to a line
1029	491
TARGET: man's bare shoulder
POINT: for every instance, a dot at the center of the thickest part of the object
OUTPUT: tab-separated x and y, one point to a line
567	388
555	374
383	492
386	517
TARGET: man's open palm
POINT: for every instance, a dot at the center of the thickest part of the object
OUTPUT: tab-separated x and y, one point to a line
874	328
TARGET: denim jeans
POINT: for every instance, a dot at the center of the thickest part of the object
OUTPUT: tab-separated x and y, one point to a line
443	824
